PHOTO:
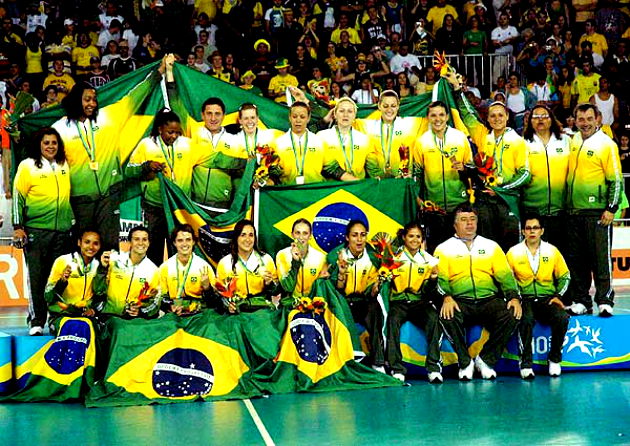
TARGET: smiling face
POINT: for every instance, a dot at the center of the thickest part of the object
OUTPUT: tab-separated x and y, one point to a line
184	243
170	131
413	240
301	233
139	243
587	122
89	102
249	120
246	240
388	106
49	146
497	118
356	238
213	117
89	245
438	119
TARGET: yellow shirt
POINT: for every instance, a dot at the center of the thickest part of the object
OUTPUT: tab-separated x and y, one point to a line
542	274
335	37
78	291
249	273
441	183
362	273
585	86
297	277
179	159
34	61
300	157
435	16
511	163
279	83
125	281
388	141
414	272
474	273
600	45
349	153
64	84
178	281
81	58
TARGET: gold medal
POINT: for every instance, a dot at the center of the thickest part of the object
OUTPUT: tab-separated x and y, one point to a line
94	165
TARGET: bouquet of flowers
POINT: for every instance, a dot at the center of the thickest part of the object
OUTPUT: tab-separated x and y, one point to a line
487	174
403	169
382	243
231	298
268	163
316	305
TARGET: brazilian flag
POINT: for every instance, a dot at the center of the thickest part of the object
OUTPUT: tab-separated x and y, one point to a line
383	205
63	368
317	351
180	359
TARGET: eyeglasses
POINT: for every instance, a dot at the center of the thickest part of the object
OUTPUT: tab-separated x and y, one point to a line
540	116
532	228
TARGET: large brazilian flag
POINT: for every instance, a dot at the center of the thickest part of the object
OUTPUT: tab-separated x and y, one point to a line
318	349
179	359
383	205
63	368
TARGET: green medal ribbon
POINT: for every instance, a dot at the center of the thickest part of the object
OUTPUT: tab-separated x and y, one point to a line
300	170
499	161
169	155
251	153
260	263
91	150
180	287
389	140
440	143
349	162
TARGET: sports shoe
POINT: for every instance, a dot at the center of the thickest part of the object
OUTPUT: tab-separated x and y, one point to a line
466	373
399	376
435	378
554	369
577	309
36	331
484	369
527	373
605	310
379	368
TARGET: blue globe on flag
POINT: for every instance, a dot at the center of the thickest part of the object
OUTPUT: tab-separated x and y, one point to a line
67	353
329	225
183	372
311	337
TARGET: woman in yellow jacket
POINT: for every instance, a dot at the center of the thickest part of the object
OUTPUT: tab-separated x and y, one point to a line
413	290
346	150
69	288
251	272
42	215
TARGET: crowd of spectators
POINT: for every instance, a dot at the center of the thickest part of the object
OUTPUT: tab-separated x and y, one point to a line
564	51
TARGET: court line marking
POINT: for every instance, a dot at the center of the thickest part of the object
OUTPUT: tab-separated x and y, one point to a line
258	422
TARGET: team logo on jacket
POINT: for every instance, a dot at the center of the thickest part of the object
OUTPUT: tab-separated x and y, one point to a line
67	353
311	336
182	372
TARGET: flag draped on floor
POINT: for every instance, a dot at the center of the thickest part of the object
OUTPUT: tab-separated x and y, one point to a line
317	350
383	205
63	368
178	359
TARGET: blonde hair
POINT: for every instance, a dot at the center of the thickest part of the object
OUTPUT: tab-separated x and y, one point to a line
341	101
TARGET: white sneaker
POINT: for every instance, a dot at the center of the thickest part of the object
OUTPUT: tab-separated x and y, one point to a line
466	373
484	369
527	373
36	331
399	376
577	309
554	369
379	368
435	378
605	310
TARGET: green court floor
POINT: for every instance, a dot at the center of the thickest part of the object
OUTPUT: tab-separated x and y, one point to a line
589	408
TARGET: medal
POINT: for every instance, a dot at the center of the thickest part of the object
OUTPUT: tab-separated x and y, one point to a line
94	165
